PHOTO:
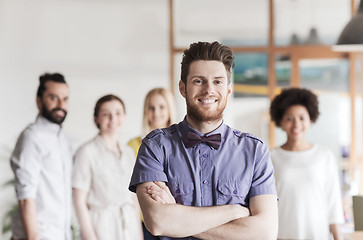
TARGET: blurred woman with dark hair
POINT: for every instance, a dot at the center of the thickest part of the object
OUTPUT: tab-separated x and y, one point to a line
306	174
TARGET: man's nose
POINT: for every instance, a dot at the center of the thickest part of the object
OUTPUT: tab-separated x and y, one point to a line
209	88
62	104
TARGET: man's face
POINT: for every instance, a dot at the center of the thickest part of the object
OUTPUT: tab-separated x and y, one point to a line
206	90
53	105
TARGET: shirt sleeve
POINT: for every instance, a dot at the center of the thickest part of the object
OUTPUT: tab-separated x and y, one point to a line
26	164
81	175
333	195
263	181
149	164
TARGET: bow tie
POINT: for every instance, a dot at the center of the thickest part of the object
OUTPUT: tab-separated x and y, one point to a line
193	139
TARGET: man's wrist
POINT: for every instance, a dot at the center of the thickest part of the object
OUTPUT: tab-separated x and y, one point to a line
242	211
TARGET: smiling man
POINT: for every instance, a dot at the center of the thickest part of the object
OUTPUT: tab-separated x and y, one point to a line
201	179
42	162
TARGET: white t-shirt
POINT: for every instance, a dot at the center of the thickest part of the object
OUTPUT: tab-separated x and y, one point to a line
307	183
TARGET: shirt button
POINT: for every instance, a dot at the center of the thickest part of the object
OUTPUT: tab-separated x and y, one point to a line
205	182
205	155
177	191
235	191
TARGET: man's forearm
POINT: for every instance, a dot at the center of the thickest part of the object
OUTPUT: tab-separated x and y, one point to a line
231	230
262	224
176	220
28	214
239	229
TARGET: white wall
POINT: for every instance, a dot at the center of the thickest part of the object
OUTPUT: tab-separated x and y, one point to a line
101	47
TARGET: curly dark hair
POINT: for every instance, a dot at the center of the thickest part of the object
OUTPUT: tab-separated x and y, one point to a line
207	51
291	97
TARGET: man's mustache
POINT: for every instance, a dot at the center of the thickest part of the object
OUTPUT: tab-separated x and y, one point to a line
59	109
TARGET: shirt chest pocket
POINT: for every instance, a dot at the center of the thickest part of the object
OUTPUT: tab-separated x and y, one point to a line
182	191
232	192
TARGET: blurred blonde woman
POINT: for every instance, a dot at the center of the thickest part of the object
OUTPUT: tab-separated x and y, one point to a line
159	112
105	208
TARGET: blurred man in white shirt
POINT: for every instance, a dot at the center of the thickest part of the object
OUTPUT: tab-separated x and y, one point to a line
42	164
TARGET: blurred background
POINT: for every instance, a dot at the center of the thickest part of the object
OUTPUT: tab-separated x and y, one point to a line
127	47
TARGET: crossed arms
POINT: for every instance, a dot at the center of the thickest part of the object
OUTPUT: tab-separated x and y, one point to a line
162	216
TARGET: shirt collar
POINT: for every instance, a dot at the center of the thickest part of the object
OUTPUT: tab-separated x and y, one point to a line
101	142
53	127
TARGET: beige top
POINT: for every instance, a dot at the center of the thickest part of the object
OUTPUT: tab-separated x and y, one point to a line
105	176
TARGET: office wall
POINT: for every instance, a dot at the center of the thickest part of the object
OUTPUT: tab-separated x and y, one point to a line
101	47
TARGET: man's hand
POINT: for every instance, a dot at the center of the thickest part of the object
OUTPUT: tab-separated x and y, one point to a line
160	193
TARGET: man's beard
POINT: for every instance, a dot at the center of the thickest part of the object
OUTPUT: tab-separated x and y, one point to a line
199	115
50	115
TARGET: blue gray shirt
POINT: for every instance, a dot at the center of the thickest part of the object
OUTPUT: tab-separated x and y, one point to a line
240	169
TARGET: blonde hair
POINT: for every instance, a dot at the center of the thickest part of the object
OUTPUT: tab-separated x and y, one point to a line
168	96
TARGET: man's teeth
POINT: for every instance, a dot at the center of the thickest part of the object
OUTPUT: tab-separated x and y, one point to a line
208	101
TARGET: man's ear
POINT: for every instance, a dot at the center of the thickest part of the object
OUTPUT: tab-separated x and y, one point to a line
39	103
182	88
229	88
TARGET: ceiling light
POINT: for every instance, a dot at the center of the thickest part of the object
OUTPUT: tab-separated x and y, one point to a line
351	38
